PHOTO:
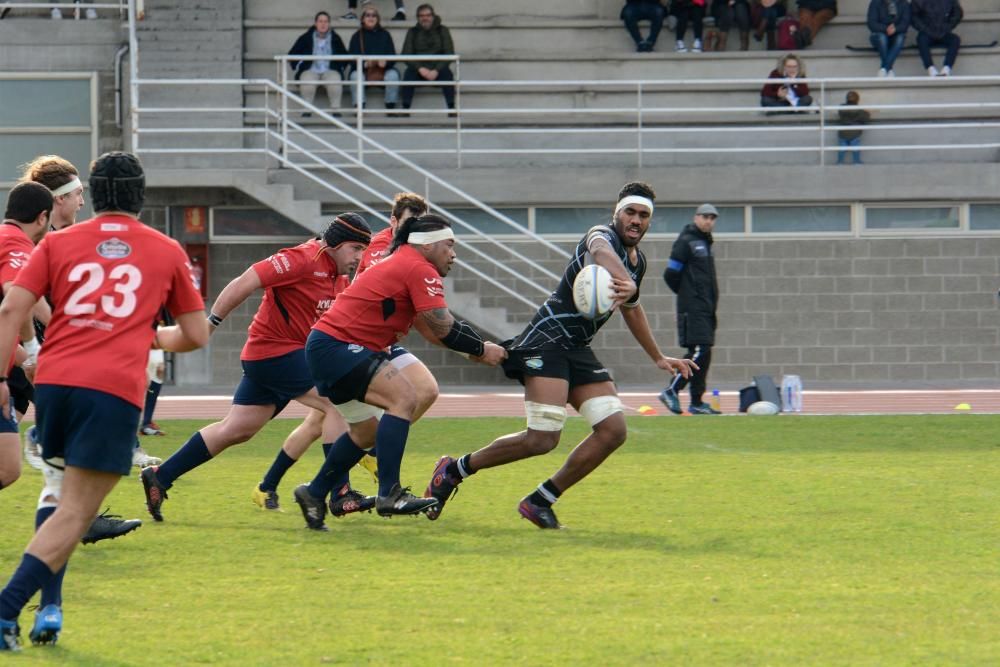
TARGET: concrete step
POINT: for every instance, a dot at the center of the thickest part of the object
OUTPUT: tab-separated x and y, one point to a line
607	37
455	10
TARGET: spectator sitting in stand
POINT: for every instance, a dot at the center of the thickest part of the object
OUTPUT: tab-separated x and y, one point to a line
372	39
764	15
781	94
851	137
888	21
727	13
319	40
693	11
428	38
935	21
643	10
813	15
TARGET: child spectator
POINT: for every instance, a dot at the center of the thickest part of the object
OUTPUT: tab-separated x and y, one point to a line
851	137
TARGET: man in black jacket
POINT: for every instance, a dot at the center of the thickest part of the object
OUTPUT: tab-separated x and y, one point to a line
319	40
690	274
935	21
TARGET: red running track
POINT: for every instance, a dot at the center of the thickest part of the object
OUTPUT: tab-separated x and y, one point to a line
511	404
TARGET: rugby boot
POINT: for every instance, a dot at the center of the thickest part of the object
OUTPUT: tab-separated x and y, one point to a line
266	500
109	526
702	409
156	493
10	636
48	623
152	428
401	501
32	448
669	398
347	500
140	459
442	486
313	509
543	517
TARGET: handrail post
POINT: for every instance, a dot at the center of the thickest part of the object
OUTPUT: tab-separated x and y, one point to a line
267	125
133	65
822	123
359	103
284	115
638	126
458	114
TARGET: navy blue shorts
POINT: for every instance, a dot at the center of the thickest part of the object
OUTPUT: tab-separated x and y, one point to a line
342	371
578	366
274	381
86	428
10	425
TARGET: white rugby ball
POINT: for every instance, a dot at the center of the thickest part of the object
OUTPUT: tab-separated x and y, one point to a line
592	291
763	408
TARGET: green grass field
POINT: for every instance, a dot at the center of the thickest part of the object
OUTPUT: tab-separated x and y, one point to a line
728	541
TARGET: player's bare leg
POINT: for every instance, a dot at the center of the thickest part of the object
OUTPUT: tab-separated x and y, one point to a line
10	459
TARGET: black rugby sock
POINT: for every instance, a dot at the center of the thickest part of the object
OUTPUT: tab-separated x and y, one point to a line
546	494
461	468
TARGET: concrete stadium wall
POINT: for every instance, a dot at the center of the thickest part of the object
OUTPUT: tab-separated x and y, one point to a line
837	312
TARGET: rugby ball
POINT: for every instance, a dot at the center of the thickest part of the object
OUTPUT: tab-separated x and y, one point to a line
592	291
762	408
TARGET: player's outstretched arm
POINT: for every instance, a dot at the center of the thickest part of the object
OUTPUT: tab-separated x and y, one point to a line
14	311
190	333
638	324
232	295
440	327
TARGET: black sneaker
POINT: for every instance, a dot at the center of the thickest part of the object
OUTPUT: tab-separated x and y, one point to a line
400	15
669	398
401	501
347	500
109	526
156	493
702	409
313	509
10	636
442	487
543	517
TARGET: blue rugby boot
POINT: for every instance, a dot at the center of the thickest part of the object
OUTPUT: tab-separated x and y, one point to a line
442	486
48	623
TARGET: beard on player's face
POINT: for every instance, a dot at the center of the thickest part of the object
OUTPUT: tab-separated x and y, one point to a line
631	228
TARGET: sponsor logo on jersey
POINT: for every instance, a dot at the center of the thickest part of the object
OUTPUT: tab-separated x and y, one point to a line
321	274
355	348
113	248
435	291
113	227
534	363
600	370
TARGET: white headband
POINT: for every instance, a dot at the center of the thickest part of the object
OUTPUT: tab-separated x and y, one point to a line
72	186
426	238
634	199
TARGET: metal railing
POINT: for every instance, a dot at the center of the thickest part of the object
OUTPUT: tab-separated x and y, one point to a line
642	118
121	6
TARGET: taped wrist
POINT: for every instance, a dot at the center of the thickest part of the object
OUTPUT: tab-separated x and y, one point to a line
463	338
32	347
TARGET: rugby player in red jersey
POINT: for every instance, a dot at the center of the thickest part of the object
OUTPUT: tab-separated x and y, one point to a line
107	279
348	354
299	285
25	222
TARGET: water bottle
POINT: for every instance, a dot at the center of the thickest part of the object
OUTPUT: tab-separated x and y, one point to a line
716	404
791	393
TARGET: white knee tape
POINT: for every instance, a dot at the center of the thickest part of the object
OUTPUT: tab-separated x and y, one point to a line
403	360
597	409
53	484
542	417
355	412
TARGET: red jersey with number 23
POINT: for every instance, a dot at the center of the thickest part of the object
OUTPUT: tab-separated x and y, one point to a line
379	307
15	248
107	279
300	285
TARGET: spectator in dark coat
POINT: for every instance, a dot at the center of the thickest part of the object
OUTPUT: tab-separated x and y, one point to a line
319	40
935	21
851	138
813	15
428	38
643	10
888	21
791	95
372	39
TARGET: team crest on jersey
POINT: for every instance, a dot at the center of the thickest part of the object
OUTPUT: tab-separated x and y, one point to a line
534	363
114	248
355	348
